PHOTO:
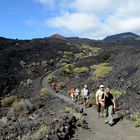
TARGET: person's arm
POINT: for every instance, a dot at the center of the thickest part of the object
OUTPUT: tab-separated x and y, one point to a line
114	103
97	100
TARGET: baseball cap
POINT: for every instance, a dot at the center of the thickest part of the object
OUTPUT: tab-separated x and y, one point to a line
101	86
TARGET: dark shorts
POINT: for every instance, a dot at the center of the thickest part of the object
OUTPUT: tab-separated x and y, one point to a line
85	98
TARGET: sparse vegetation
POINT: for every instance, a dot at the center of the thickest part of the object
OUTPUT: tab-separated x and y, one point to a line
7	101
44	92
81	70
136	119
44	63
91	49
101	70
68	55
79	117
79	55
68	110
117	93
40	133
61	85
50	79
67	69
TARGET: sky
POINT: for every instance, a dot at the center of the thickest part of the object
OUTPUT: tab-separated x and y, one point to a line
95	19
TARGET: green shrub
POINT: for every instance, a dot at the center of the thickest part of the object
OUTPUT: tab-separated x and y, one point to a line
95	50
79	117
40	133
67	69
101	70
117	93
81	70
68	54
79	55
61	85
136	119
22	105
68	110
44	92
44	63
50	79
8	100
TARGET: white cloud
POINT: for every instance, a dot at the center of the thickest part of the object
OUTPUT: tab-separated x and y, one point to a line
50	3
97	19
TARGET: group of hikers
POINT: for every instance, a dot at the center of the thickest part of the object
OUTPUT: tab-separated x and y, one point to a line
105	101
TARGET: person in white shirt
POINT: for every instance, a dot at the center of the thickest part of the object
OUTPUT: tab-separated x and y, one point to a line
85	94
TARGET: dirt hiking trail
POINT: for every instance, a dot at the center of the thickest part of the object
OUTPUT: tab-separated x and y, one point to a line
98	130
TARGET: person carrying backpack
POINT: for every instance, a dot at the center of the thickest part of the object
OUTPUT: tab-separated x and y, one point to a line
72	93
99	101
109	102
85	94
77	95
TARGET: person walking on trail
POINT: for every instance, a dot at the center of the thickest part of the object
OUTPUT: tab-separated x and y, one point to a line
77	95
99	101
72	93
54	86
109	102
85	94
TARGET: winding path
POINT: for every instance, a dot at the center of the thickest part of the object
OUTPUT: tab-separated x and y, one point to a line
98	130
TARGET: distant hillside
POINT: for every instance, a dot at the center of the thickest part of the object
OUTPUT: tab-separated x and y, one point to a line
58	36
121	36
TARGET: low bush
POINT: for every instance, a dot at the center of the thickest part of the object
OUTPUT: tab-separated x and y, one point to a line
22	105
68	110
136	119
79	55
79	117
67	69
61	85
117	93
44	92
101	70
40	133
81	70
44	63
7	101
95	50
50	79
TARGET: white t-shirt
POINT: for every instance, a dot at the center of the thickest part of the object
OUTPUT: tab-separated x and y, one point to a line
85	92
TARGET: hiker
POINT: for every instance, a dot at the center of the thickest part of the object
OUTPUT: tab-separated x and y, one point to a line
54	86
85	93
77	95
72	92
109	102
99	101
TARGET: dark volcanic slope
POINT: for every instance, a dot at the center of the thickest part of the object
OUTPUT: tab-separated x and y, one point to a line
12	52
121	36
123	55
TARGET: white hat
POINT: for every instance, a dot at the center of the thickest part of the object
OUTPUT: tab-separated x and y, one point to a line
101	86
85	86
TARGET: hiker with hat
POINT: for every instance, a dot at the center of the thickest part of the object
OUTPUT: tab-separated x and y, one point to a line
85	94
100	101
109	102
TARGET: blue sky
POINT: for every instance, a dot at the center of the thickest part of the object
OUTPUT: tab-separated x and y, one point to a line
26	19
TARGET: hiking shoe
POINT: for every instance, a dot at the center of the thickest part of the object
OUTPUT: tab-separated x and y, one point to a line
110	124
105	121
